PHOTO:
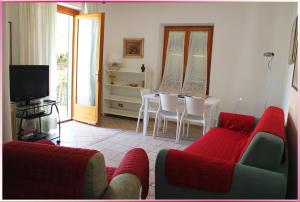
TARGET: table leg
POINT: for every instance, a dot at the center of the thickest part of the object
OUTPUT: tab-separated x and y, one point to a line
146	117
217	115
210	119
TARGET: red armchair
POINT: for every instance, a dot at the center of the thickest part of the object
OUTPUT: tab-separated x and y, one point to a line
42	170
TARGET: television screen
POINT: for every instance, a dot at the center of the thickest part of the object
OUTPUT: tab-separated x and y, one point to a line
28	82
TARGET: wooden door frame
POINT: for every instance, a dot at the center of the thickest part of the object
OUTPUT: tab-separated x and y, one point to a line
187	30
100	70
73	13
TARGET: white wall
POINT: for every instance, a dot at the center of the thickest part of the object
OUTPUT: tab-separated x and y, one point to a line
242	33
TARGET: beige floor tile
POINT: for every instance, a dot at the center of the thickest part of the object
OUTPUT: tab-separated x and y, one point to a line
117	135
152	178
130	143
119	157
112	163
100	145
109	154
83	143
151	164
152	156
120	148
151	193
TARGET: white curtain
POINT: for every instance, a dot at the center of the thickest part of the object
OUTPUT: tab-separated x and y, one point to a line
37	38
173	71
195	80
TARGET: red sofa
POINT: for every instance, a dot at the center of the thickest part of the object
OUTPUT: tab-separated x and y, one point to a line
242	158
42	170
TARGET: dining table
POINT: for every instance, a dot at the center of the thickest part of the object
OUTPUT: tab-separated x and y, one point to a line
211	109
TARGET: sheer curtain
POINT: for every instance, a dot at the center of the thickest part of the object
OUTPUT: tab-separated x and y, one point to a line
36	37
87	64
196	72
173	71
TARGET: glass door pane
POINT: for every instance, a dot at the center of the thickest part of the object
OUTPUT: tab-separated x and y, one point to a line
196	72
87	61
173	70
64	33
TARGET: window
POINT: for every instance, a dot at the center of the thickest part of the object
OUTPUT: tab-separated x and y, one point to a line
187	57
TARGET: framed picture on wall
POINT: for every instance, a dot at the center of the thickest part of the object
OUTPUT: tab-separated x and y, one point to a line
133	48
295	76
294	43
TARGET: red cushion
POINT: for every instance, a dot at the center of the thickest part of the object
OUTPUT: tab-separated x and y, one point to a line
110	172
239	122
220	143
272	121
199	172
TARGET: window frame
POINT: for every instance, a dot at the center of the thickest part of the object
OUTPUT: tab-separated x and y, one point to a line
188	30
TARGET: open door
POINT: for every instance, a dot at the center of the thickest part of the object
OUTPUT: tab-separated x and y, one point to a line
87	74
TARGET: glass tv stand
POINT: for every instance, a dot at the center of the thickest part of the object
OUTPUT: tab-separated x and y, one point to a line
37	111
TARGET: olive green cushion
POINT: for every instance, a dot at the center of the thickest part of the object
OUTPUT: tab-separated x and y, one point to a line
95	180
123	186
264	151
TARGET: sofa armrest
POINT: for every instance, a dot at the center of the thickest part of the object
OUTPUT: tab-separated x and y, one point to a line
264	151
248	183
134	171
123	186
257	183
238	122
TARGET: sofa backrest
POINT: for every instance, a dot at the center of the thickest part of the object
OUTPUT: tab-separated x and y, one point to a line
265	146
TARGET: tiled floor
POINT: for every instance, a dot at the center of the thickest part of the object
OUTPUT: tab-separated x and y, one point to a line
116	136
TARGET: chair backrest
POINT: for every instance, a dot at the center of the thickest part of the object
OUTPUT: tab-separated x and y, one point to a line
194	106
145	91
169	102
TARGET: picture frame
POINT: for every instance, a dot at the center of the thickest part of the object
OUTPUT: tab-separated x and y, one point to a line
133	48
295	76
294	42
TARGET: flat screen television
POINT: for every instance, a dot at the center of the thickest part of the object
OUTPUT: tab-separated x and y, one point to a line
28	82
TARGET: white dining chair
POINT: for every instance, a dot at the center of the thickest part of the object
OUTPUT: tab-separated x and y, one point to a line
153	107
168	110
192	114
